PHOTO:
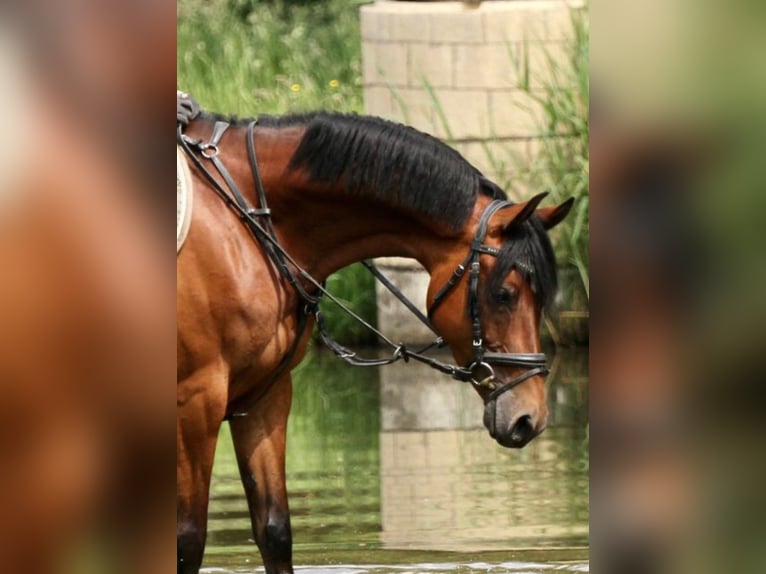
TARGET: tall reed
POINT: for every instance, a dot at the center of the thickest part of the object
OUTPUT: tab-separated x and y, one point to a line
561	166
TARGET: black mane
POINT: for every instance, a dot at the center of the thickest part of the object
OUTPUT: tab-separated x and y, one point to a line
390	162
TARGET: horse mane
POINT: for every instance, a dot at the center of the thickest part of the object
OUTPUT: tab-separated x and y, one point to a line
409	169
390	162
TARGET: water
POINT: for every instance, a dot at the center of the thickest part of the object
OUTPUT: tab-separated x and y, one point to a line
391	471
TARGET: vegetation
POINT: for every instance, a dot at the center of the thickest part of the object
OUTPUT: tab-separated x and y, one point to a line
252	58
562	166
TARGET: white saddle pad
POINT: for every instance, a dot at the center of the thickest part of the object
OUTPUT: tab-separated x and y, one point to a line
183	198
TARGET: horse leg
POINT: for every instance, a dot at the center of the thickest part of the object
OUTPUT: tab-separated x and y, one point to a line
259	436
199	415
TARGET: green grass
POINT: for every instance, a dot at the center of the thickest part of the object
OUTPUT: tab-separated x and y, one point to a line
270	57
251	58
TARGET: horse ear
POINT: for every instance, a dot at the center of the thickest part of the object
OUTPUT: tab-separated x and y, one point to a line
507	218
553	215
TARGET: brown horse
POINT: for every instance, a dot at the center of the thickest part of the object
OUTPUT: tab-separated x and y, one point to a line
340	189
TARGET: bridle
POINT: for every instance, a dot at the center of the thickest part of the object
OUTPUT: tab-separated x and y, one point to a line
535	363
479	371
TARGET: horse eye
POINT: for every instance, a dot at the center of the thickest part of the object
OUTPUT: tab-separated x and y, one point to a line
506	296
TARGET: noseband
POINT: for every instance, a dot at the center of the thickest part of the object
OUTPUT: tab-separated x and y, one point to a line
479	371
482	373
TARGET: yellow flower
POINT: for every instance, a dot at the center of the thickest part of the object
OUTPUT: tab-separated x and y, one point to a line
334	83
295	88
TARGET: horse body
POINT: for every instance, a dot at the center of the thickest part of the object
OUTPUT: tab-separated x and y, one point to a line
238	318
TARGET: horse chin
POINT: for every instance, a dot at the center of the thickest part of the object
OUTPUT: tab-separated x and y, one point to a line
506	442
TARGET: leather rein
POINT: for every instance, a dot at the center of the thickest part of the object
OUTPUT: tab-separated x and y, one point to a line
479	371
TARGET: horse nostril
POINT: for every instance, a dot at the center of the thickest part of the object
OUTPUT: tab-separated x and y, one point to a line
523	429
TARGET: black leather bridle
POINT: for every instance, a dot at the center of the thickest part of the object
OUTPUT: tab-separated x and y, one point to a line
479	371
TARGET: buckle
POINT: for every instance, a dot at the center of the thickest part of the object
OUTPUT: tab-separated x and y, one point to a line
488	381
203	149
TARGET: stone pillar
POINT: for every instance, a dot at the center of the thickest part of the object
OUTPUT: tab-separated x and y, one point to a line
427	62
394	319
466	57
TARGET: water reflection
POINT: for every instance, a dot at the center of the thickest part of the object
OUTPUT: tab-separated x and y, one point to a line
393	469
447	486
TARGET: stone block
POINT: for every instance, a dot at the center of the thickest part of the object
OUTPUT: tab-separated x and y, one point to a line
535	147
410	27
558	23
497	159
488	66
384	63
399	264
432	63
543	58
533	21
369	65
466	112
414	107
515	113
375	25
459	25
476	154
378	101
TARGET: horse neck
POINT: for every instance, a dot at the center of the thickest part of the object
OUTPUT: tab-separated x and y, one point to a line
326	233
325	228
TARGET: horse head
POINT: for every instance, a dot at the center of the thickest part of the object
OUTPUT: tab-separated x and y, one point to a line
491	318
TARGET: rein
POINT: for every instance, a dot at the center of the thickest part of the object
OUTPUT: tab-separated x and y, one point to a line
478	372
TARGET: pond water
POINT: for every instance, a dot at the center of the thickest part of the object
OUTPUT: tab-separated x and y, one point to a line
391	471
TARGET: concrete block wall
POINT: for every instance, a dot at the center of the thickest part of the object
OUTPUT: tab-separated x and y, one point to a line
468	55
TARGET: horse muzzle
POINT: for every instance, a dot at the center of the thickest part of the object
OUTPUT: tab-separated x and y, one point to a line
516	432
516	423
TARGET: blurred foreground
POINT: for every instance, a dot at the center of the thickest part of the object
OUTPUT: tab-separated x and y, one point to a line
678	280
86	297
